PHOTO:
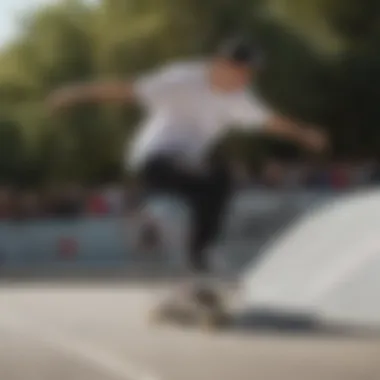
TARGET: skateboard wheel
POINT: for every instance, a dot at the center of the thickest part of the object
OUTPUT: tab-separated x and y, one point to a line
157	316
208	323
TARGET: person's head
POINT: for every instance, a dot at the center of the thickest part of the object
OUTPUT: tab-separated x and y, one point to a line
235	64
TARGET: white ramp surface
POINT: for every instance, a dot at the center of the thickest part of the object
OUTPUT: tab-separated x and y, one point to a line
327	265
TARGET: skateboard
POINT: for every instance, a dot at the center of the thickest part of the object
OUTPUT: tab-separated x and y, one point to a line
203	308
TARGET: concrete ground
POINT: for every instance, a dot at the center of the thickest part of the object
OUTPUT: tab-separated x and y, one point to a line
79	331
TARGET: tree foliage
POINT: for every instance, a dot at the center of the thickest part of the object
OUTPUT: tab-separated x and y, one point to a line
323	66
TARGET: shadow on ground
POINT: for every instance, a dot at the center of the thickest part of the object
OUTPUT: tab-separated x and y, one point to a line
292	324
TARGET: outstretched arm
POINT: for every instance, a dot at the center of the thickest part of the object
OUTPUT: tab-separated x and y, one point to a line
151	89
250	112
92	93
308	136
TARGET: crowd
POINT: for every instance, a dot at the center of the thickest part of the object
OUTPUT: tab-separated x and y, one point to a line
336	176
74	200
64	201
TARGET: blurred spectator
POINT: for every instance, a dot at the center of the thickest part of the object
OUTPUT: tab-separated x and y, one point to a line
64	201
72	200
50	200
339	176
295	176
318	177
113	195
5	202
29	205
362	171
133	198
375	175
97	204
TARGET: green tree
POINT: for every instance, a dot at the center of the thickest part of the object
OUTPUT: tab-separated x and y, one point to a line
322	66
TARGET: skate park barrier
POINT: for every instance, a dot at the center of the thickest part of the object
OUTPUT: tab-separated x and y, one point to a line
107	243
323	270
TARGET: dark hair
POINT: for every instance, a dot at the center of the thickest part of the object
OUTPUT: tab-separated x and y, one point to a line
241	51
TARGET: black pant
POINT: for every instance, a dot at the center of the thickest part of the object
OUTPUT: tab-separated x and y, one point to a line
206	194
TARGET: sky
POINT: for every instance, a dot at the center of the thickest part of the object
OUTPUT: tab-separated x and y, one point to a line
10	10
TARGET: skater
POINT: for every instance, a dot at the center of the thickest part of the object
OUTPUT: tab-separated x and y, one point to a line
190	106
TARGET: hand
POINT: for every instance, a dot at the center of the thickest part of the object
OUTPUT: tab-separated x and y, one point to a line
62	98
315	139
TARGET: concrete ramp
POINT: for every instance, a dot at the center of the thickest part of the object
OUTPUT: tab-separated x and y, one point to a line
325	266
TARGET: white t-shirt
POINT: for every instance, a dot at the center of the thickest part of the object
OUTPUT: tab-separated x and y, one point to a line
186	116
